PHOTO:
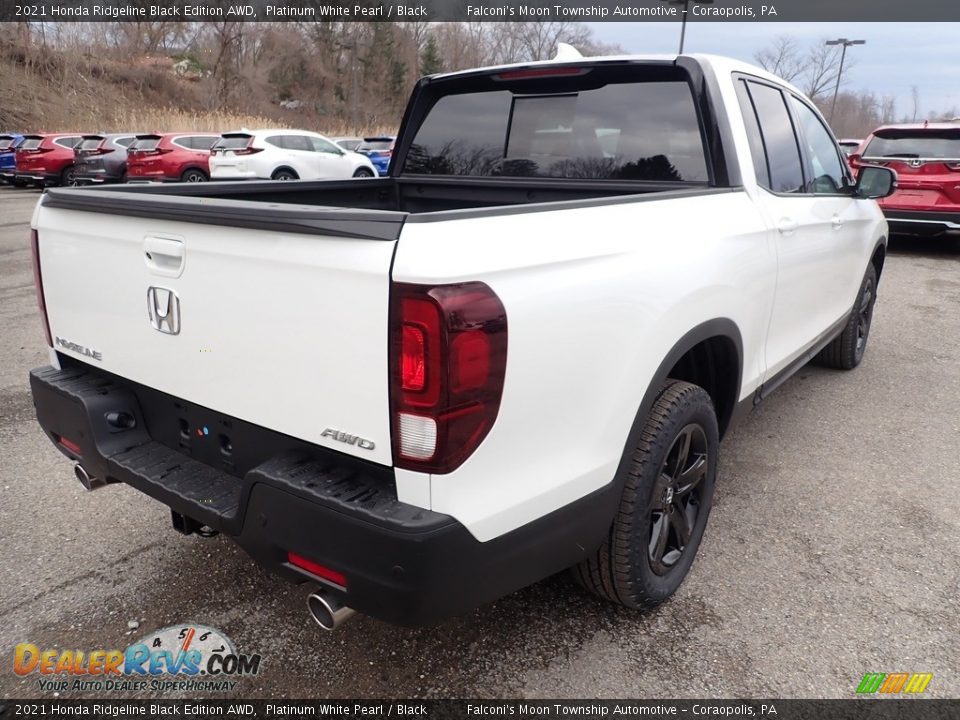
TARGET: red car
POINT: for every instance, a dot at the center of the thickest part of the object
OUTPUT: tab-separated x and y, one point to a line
46	159
926	157
170	157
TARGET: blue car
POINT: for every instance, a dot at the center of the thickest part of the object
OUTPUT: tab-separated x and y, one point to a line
8	162
379	150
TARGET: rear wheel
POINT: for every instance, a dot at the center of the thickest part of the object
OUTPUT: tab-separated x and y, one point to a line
284	174
363	173
193	176
846	350
68	176
665	503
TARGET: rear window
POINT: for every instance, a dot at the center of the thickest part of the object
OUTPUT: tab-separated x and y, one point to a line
6	143
145	144
90	143
375	145
67	142
620	131
196	142
31	143
927	144
232	142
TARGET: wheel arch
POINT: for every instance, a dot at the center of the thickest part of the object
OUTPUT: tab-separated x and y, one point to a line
193	166
288	168
879	256
720	343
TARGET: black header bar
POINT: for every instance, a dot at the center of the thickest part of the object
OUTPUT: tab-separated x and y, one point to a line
479	10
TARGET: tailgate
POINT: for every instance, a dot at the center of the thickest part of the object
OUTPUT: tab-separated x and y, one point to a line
284	328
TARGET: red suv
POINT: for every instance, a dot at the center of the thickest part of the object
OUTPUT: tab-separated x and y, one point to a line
926	158
170	157
46	159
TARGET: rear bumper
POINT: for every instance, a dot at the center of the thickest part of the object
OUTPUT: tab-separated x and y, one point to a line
273	495
96	177
44	178
922	223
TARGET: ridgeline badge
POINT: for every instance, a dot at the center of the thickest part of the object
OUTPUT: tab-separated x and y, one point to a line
174	658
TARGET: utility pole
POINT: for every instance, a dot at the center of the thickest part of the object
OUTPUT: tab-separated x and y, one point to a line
686	9
843	56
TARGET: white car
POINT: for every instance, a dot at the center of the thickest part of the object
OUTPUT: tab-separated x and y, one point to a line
284	155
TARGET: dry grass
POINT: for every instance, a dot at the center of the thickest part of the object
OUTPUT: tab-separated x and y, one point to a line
149	119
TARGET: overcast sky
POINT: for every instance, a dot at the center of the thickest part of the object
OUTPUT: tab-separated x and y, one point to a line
895	58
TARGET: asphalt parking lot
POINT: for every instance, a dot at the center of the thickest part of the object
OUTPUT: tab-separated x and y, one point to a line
832	549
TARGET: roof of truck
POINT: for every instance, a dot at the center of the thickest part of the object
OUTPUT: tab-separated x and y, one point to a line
719	63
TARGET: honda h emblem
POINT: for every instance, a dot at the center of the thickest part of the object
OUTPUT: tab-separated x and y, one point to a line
163	307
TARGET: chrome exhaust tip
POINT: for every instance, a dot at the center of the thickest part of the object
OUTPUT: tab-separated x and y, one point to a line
327	610
83	476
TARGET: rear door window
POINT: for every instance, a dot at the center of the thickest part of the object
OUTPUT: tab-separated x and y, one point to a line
779	139
619	131
125	141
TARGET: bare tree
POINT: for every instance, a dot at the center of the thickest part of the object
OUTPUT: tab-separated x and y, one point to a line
814	69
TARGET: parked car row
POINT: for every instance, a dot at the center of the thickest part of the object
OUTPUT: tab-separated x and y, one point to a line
45	159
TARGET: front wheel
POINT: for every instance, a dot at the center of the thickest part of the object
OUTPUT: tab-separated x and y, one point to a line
846	350
665	503
363	173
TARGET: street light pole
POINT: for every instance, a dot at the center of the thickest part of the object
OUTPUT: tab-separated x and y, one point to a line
686	8
843	56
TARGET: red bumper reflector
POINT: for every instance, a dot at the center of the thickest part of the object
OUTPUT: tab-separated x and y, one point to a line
69	445
317	569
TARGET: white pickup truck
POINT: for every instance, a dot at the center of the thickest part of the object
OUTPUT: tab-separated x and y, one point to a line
515	354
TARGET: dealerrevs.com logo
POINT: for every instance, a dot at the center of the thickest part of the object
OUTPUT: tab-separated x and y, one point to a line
185	658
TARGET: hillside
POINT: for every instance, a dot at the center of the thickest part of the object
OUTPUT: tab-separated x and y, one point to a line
49	90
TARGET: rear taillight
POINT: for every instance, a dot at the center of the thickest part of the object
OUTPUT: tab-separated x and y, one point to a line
955	166
38	283
247	151
448	359
855	161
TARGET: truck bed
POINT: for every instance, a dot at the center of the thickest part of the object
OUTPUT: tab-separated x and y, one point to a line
374	209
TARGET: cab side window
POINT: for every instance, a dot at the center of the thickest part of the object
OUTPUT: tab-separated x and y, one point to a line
779	139
829	177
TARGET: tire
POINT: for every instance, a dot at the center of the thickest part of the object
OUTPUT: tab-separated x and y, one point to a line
19	183
363	173
846	350
193	176
68	176
667	497
283	174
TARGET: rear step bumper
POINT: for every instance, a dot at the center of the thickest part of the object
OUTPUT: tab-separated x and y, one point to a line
925	223
402	563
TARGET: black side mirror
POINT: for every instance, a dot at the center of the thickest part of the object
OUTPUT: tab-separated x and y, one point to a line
875	182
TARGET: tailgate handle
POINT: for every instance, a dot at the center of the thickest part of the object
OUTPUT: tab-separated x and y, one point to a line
164	256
